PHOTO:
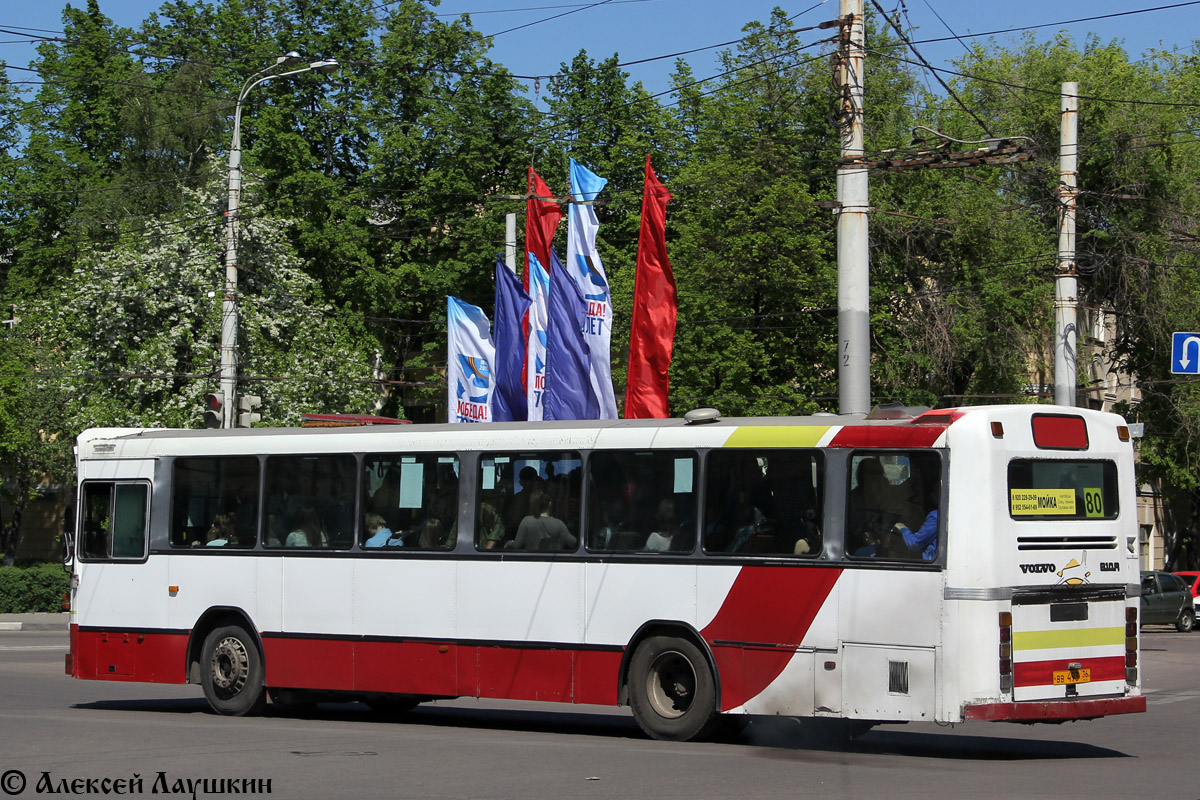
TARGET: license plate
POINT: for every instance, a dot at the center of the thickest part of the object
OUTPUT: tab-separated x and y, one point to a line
1062	677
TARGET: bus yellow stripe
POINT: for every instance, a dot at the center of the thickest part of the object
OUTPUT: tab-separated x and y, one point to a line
1079	637
777	436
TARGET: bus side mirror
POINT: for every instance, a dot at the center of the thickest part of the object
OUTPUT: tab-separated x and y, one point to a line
68	550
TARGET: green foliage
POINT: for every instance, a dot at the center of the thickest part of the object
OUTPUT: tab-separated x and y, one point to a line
38	588
373	193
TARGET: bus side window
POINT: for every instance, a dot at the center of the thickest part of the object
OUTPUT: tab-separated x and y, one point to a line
214	502
114	521
764	502
641	501
416	499
892	506
309	501
516	489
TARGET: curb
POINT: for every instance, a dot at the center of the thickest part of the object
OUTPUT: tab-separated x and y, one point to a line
35	622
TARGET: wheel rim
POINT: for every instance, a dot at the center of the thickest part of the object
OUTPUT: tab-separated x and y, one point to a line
230	667
671	684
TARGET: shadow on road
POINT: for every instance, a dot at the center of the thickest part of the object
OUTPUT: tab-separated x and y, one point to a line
772	737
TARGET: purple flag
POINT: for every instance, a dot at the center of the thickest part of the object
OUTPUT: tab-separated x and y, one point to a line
569	392
508	401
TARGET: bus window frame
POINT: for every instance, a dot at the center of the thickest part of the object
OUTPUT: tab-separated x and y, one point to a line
81	515
698	458
282	548
894	562
826	459
394	456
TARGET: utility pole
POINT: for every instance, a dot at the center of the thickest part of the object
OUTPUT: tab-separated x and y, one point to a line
1066	282
853	263
510	241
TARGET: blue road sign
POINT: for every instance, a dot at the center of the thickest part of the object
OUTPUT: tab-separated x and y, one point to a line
1185	353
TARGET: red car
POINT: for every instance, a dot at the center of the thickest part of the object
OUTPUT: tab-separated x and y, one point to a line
1192	579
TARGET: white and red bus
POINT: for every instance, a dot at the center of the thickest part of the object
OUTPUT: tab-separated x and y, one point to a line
966	564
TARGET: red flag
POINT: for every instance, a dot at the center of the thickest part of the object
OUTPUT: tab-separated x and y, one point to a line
541	221
654	309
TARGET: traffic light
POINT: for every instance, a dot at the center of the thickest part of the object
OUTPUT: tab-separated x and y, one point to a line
246	405
214	410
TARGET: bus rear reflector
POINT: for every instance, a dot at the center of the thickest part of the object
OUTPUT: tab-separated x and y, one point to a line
1059	432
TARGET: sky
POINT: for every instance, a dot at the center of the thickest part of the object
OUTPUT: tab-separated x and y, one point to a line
639	29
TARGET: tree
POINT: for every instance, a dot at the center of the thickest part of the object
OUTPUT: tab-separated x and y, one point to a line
136	329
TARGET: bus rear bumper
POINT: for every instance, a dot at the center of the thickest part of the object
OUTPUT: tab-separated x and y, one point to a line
1055	710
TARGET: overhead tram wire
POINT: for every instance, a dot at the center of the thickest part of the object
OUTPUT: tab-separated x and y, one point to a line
1060	23
927	65
1053	92
548	19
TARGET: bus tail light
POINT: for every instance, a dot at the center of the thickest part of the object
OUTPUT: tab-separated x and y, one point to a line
1006	663
998	429
1131	644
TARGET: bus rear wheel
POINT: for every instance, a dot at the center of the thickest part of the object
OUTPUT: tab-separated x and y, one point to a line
672	691
231	671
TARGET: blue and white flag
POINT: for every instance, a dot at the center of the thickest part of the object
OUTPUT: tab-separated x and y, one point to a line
568	392
469	357
535	354
583	264
508	401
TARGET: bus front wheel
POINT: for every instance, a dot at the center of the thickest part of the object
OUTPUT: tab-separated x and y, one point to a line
672	692
232	672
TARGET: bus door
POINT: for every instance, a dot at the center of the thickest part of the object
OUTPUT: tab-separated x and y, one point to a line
112	546
890	598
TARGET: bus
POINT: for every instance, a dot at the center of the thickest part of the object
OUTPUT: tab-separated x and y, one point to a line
961	564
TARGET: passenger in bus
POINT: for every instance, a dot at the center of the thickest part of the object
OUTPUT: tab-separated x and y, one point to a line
380	534
666	527
489	527
867	505
306	529
924	539
540	531
221	532
519	507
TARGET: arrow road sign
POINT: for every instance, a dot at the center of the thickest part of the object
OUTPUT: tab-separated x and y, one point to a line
1185	353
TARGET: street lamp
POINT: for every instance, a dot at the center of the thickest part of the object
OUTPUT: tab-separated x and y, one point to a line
293	64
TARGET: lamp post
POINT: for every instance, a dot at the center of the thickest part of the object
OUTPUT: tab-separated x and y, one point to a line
292	64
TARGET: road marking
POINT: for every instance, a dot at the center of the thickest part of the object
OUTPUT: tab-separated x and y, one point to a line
14	648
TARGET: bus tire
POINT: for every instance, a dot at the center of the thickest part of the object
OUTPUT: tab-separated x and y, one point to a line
671	689
231	671
1186	621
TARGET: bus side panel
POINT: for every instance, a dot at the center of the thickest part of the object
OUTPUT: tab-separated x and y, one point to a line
118	655
891	628
761	624
620	598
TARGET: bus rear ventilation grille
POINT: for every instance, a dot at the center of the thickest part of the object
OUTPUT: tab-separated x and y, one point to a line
1066	542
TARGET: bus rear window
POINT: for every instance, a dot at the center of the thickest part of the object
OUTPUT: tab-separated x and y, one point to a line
1062	489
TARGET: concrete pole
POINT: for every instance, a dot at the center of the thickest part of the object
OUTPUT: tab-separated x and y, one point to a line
510	241
229	309
1066	283
854	329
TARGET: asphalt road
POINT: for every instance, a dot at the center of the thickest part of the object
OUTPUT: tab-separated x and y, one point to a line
73	731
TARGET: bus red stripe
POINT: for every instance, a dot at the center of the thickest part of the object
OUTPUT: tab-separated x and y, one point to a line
887	436
1041	673
773	605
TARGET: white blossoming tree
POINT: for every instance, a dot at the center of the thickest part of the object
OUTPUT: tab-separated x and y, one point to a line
136	329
